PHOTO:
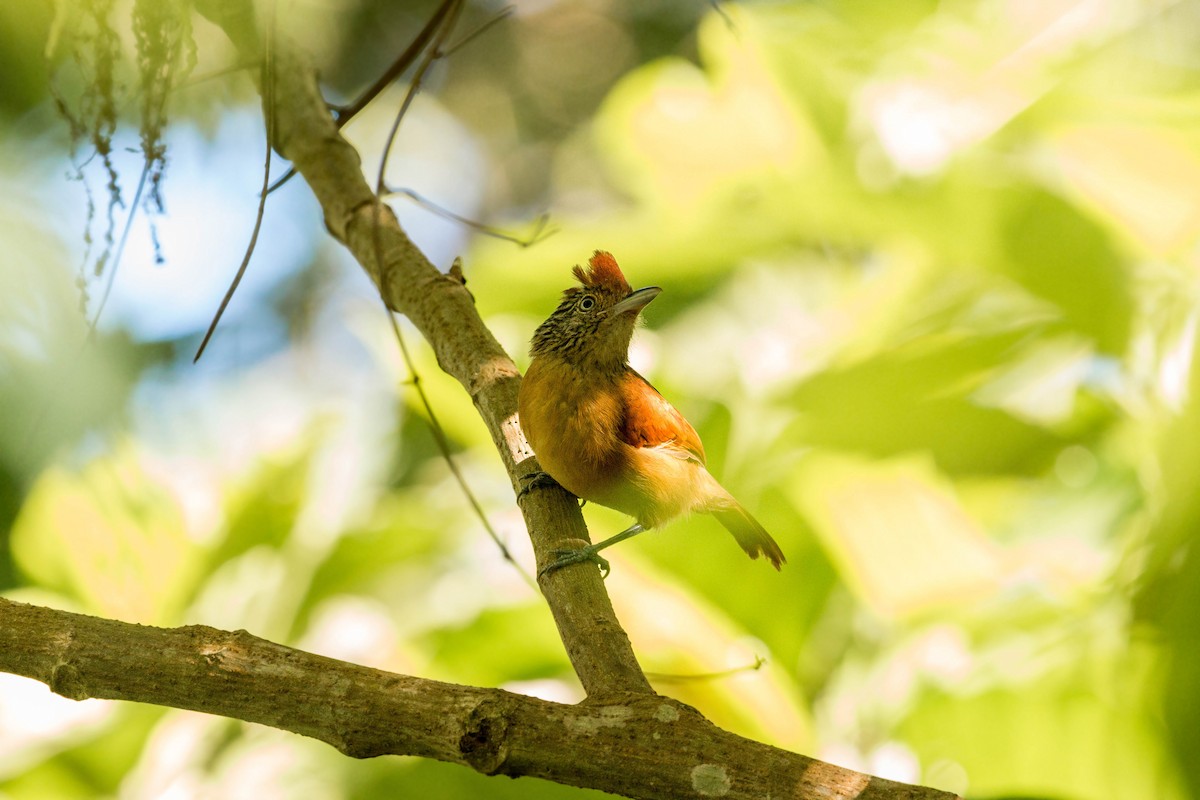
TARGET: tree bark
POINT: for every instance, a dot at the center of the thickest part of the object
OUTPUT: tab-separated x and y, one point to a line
444	312
634	744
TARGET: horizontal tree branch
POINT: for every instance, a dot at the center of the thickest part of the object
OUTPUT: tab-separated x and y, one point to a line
636	745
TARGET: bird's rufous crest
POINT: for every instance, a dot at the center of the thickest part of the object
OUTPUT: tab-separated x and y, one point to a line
602	273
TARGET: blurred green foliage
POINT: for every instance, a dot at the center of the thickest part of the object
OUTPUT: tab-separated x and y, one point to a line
930	300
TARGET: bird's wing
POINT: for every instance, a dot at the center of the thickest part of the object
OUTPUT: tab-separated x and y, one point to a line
650	421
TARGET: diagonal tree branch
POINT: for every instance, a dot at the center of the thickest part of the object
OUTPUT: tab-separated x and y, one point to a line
444	312
637	745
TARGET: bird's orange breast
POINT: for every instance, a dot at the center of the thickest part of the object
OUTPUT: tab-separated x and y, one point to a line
615	442
572	425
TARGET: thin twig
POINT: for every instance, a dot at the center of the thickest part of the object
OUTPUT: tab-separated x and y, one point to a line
723	14
269	103
447	21
34	428
398	67
214	74
502	14
541	227
120	252
343	114
432	54
443	444
668	677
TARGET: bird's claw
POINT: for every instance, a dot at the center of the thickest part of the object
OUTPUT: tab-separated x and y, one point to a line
565	558
534	480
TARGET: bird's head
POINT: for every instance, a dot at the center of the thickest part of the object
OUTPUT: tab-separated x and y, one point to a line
593	324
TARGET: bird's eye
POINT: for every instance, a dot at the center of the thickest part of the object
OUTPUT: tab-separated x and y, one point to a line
587	303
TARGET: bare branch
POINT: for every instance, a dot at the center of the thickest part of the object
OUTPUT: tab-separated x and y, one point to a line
542	229
343	114
120	252
268	93
444	312
636	745
453	9
443	445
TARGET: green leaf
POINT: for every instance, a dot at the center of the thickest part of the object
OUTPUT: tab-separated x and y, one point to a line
919	398
1078	731
110	537
1058	253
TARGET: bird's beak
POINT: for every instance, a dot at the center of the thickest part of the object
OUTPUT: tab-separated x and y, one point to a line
636	301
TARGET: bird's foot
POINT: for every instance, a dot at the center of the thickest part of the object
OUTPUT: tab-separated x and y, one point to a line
534	480
565	558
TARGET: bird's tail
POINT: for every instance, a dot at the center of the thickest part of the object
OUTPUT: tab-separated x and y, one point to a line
752	536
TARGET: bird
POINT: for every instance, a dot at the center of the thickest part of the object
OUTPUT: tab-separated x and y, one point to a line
603	433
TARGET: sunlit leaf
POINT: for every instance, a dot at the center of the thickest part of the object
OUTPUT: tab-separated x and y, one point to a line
927	404
898	535
688	636
111	537
676	133
481	652
1145	179
1057	253
1018	737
